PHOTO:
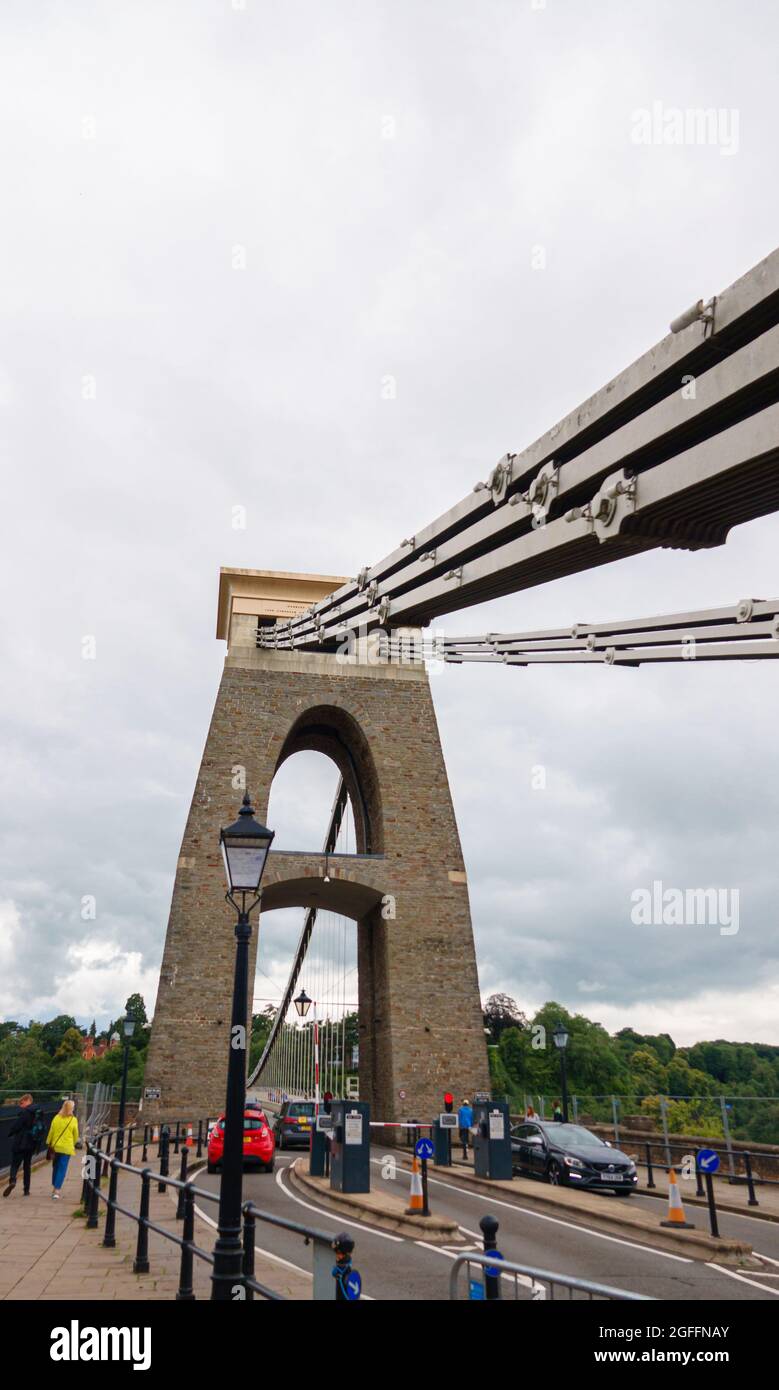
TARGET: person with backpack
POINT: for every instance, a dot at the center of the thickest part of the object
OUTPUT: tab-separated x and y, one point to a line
26	1133
61	1145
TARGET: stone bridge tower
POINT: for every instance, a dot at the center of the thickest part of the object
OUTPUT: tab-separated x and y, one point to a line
419	1008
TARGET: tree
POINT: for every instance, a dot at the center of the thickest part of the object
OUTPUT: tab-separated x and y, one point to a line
136	1007
501	1012
71	1045
52	1033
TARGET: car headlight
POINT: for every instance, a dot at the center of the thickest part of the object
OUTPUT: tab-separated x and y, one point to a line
631	1167
572	1162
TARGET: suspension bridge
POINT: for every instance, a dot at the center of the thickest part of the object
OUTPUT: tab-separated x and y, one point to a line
673	453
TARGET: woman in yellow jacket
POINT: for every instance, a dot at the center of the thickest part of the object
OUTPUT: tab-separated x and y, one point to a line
62	1137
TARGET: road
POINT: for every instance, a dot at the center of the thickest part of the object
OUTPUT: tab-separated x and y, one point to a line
399	1268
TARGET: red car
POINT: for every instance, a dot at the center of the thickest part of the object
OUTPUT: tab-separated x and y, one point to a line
259	1144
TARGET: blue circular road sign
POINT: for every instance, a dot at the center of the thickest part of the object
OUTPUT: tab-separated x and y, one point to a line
493	1272
707	1160
424	1148
352	1285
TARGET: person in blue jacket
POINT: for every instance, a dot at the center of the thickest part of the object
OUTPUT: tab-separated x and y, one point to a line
465	1120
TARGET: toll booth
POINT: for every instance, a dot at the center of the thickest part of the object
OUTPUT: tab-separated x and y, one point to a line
350	1145
443	1128
492	1142
320	1134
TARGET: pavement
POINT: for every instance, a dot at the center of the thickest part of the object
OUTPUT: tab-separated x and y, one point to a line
46	1251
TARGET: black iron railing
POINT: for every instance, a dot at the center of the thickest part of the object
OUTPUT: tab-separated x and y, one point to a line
111	1154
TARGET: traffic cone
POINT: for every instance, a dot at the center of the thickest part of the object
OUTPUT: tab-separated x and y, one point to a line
189	1141
155	1134
416	1200
676	1215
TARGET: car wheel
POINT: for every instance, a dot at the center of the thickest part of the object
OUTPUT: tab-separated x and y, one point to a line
622	1191
210	1167
554	1174
269	1167
280	1141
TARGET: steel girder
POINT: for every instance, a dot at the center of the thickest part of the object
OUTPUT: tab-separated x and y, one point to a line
675	451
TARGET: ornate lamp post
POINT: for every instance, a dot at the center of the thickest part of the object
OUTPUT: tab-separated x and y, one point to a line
245	846
128	1028
560	1036
303	1004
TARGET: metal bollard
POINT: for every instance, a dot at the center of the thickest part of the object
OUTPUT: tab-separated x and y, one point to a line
129	1155
343	1245
489	1229
177	1139
185	1292
182	1178
164	1159
94	1198
650	1177
107	1153
141	1261
753	1202
109	1236
249	1225
200	1138
145	1153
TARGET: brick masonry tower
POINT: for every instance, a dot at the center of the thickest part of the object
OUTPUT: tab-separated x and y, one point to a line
420	1017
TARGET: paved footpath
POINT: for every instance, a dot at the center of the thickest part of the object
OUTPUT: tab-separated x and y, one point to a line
46	1251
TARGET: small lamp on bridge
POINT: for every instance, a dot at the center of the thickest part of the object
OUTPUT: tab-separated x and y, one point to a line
128	1026
302	1003
245	846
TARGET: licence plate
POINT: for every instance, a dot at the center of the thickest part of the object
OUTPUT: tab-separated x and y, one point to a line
303	1124
612	1177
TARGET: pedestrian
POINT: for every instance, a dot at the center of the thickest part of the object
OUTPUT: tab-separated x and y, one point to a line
530	1113
26	1133
465	1121
61	1145
557	1113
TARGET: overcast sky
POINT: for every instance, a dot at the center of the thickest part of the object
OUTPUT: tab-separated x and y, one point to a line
223	226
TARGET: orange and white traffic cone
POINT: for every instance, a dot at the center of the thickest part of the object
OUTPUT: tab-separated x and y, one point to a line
676	1215
189	1141
155	1135
416	1200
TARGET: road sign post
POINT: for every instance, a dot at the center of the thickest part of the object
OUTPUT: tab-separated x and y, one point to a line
707	1162
424	1150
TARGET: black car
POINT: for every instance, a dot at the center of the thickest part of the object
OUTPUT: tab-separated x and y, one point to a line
293	1124
570	1155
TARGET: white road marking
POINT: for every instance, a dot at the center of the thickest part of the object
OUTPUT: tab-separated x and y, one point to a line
557	1221
765	1257
742	1279
333	1215
268	1255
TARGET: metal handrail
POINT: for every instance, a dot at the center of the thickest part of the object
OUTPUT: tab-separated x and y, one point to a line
188	1193
567	1281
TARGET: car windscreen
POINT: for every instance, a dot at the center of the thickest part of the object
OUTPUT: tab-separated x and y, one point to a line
301	1107
253	1122
573	1134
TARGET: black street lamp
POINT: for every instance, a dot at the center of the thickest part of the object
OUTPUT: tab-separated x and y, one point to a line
245	846
560	1036
128	1028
